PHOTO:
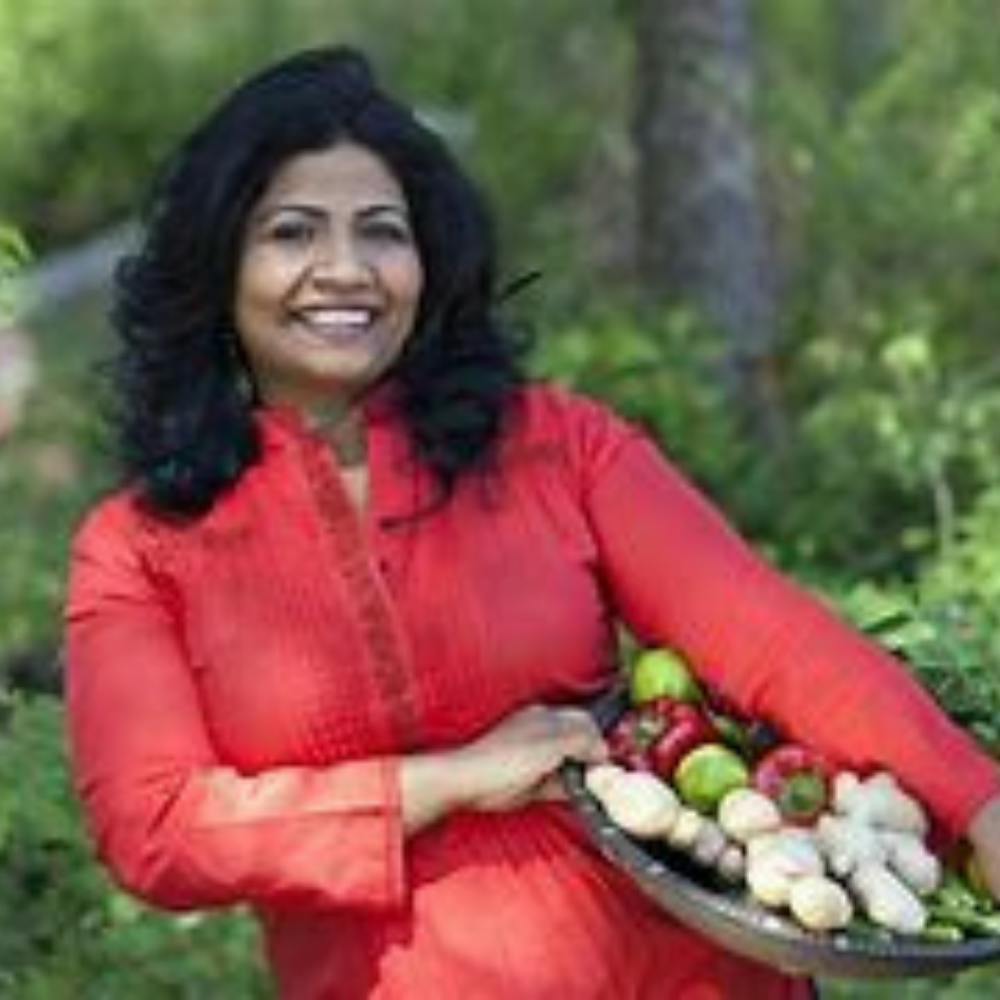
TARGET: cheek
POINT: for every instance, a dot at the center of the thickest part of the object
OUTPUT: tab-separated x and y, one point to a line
261	282
409	284
247	293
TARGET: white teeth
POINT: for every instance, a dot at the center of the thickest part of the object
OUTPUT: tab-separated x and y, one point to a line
337	317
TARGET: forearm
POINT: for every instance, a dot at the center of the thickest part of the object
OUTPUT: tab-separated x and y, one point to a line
206	835
432	785
314	837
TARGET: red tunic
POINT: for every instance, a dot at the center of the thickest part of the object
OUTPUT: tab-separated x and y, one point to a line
241	689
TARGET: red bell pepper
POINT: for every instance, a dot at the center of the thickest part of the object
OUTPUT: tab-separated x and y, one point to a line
686	727
657	734
630	738
797	779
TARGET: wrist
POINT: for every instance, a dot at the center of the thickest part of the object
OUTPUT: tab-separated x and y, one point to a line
432	786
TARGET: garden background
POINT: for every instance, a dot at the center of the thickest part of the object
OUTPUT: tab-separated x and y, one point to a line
770	231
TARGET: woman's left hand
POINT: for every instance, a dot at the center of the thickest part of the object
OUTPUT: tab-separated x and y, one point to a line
984	836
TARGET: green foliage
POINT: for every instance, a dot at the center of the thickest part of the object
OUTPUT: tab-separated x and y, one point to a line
499	77
890	168
928	429
513	77
661	371
977	984
945	622
95	92
53	465
949	639
14	254
66	931
880	120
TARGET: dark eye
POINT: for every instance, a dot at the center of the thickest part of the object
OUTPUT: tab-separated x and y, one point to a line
386	231
291	231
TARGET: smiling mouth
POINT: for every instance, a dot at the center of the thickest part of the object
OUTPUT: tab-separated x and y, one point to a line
335	325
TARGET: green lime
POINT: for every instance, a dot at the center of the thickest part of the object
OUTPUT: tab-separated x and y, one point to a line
707	774
662	673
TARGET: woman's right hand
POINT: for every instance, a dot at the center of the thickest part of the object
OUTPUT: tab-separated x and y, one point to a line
510	765
513	763
984	835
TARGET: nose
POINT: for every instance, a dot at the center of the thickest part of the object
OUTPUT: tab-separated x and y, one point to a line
339	262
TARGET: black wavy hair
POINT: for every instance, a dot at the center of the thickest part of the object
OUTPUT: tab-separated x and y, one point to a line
184	412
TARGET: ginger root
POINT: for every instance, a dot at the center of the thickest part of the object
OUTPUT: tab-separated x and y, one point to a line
849	843
878	801
887	901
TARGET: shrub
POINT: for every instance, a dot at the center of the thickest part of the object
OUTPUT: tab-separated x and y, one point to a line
65	930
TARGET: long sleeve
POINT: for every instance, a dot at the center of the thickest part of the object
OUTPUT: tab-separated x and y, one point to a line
680	575
175	825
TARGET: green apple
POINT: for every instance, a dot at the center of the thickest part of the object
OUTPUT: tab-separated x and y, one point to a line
662	673
707	774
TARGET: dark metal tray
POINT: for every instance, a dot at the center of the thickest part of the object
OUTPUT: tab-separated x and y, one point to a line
736	922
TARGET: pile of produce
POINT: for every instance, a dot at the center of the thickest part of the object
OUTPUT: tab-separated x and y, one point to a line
833	848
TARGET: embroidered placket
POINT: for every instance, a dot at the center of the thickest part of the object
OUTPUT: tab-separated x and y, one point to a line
367	592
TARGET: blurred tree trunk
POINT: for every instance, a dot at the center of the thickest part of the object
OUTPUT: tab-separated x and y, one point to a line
702	235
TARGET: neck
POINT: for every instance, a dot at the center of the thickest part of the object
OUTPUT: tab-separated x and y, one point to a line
342	426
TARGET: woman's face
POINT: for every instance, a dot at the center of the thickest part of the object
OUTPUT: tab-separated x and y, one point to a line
329	278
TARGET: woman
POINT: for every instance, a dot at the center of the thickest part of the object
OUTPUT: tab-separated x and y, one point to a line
324	650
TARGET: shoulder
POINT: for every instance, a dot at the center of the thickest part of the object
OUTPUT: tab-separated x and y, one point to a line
586	431
117	525
116	513
107	556
546	406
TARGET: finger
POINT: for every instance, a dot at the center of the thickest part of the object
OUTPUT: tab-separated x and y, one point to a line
577	717
583	740
550	790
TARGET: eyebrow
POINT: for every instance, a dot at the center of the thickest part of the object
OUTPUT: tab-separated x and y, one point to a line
315	212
